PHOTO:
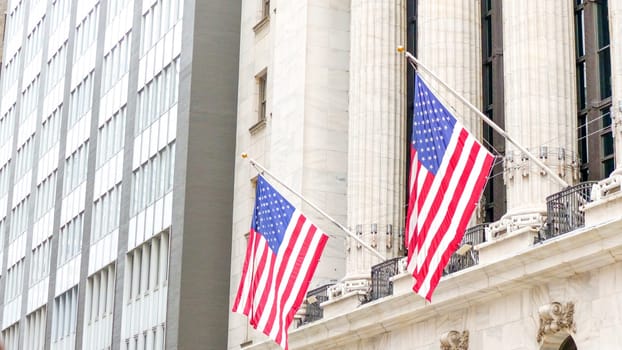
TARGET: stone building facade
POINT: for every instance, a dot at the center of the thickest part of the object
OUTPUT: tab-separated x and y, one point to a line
324	103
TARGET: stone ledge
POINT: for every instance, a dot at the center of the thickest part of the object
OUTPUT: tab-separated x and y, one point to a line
576	252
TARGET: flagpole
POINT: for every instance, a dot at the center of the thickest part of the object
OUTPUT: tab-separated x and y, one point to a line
487	120
343	228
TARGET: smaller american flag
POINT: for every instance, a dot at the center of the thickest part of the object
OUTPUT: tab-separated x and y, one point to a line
283	250
449	169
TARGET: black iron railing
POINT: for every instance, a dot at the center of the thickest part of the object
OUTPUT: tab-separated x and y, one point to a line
466	256
564	210
314	298
381	286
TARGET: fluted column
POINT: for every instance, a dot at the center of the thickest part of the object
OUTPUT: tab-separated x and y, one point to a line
615	25
377	143
540	102
449	43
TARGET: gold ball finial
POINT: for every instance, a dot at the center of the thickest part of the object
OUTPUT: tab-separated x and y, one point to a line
244	155
400	49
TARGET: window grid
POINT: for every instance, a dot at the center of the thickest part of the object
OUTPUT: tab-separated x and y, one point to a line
153	179
100	295
24	158
64	316
70	239
157	21
19	219
56	67
116	63
75	168
7	124
11	336
35	329
34	42
40	262
157	97
11	71
106	211
46	193
30	99
50	131
110	137
81	99
4	179
60	10
14	281
147	267
114	8
86	32
14	20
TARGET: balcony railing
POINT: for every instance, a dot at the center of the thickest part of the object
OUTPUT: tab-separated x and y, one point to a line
466	256
564	210
314	298
381	286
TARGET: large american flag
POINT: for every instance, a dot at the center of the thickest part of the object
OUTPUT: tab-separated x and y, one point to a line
283	250
449	168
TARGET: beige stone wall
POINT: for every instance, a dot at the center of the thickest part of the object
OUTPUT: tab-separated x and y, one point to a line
615	28
540	99
304	48
511	321
376	158
449	43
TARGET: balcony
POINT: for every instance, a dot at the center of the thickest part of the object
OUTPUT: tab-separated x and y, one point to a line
466	256
381	284
564	210
313	310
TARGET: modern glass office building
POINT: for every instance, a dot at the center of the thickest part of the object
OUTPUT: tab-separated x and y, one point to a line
117	132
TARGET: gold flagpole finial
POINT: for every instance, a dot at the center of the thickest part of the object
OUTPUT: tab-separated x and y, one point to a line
400	49
244	155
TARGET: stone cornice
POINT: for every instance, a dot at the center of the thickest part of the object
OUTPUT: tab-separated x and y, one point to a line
576	252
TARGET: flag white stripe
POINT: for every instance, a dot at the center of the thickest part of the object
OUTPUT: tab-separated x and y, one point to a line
315	242
250	273
440	174
462	204
274	294
446	200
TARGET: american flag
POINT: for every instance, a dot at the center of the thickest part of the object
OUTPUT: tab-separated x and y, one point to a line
283	250
449	168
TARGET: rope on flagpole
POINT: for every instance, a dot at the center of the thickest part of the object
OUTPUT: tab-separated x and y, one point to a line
261	169
417	64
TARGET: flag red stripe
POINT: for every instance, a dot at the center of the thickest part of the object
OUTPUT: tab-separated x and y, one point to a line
297	263
249	250
289	259
479	186
274	284
302	292
449	215
432	213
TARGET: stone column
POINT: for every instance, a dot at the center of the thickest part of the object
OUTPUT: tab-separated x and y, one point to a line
449	43
377	141
615	28
540	103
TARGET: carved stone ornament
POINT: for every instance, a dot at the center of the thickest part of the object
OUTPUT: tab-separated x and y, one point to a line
454	340
556	317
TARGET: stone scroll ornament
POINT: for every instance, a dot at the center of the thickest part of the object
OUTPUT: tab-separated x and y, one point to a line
454	340
555	317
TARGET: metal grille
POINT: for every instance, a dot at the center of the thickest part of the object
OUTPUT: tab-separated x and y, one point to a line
316	297
466	256
564	212
381	286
